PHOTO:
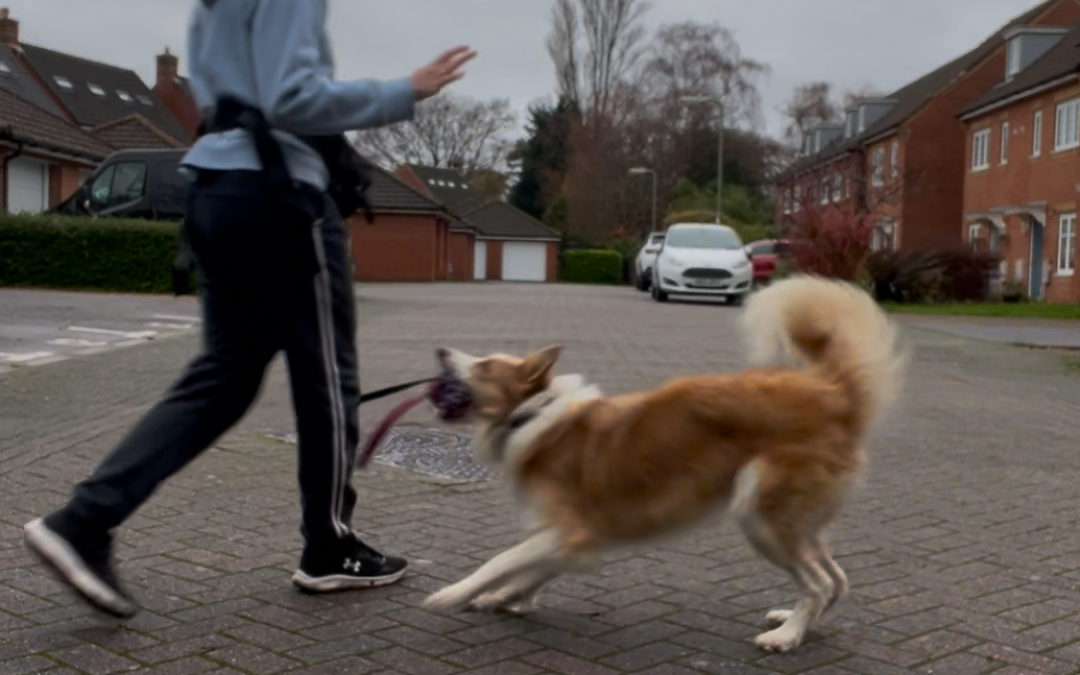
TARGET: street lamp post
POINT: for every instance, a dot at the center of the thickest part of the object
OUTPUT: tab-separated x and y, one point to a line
719	147
641	170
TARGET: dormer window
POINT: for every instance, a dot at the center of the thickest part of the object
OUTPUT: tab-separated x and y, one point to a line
1012	64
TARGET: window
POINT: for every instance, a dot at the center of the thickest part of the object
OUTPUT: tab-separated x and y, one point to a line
145	100
1036	134
980	150
894	159
798	199
124	96
4	68
1004	159
973	235
1066	257
787	201
96	89
882	239
1018	270
63	82
823	190
118	184
1012	65
878	178
1067	125
837	186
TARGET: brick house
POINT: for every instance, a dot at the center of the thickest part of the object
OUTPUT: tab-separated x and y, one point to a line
490	240
1022	168
903	153
60	115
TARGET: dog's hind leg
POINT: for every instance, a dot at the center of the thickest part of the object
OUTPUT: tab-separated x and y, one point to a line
543	552
776	534
839	579
516	596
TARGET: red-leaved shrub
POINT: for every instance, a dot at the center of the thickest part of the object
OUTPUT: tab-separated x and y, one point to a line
830	242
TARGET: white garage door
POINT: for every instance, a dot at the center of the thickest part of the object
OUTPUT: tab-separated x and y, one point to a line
524	261
28	186
480	261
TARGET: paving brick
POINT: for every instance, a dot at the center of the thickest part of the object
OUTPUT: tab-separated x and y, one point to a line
95	660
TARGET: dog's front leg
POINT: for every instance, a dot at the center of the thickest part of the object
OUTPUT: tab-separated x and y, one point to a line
538	553
518	594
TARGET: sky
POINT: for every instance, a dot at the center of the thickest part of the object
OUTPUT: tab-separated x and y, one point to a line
880	44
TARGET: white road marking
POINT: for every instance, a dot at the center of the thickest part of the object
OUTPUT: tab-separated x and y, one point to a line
169	326
76	342
9	357
118	333
178	317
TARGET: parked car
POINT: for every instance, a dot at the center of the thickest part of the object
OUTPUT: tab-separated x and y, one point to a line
132	184
704	260
764	254
646	257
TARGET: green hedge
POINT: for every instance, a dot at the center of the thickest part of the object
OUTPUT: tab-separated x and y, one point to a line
50	251
592	266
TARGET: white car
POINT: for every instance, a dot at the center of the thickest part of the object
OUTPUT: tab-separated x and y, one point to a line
646	257
702	259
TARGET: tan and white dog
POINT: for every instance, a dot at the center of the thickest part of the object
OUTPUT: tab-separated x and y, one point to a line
777	446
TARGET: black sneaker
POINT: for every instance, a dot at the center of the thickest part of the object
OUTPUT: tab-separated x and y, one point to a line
83	563
353	564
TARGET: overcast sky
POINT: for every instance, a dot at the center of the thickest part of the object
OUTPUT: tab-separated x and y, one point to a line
851	43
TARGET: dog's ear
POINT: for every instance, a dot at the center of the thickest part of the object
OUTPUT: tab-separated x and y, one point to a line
537	366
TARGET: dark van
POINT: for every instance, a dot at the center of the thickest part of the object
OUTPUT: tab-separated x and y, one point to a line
132	184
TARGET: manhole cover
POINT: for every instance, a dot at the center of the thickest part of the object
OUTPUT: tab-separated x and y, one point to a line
431	452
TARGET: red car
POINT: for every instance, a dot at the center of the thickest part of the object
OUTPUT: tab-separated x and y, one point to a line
764	255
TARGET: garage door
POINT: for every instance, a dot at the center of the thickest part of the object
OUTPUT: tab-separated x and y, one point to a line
480	261
28	186
524	261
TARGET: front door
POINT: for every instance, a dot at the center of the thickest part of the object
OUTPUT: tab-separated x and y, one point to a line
480	261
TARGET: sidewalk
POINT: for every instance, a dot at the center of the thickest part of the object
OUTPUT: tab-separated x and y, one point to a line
960	544
1045	333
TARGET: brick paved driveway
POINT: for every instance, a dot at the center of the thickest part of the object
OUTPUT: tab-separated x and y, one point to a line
961	545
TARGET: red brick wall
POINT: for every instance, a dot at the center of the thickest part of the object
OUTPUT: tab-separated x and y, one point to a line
494	260
397	248
936	148
63	182
1052	177
462	250
553	261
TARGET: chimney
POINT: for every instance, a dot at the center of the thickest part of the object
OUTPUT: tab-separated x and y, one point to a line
167	68
9	29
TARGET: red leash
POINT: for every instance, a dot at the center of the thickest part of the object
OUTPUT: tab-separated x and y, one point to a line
383	427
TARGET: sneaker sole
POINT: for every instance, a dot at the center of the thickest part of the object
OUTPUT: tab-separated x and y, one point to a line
342	582
65	562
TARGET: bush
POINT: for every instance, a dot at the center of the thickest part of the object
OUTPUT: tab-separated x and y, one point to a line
117	254
930	276
592	266
830	243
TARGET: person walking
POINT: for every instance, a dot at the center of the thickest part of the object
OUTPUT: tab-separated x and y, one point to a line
270	250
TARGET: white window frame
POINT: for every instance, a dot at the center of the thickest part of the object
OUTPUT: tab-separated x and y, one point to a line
1004	158
878	176
787	201
973	234
797	206
823	187
1066	253
1012	58
894	159
1067	125
837	187
1036	133
980	150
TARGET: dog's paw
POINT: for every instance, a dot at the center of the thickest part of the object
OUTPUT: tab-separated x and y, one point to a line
499	602
448	599
777	617
778	640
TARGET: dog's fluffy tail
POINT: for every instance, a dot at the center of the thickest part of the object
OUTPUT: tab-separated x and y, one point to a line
834	326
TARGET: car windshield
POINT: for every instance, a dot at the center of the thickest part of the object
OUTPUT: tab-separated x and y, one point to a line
703	237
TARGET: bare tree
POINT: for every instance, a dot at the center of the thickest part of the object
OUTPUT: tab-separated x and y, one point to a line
810	105
862	92
595	45
448	132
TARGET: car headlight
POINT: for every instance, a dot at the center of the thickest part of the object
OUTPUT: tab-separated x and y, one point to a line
742	264
673	261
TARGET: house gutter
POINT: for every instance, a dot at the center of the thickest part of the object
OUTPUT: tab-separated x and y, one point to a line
1027	93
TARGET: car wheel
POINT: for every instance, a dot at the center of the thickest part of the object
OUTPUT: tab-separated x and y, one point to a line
658	295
